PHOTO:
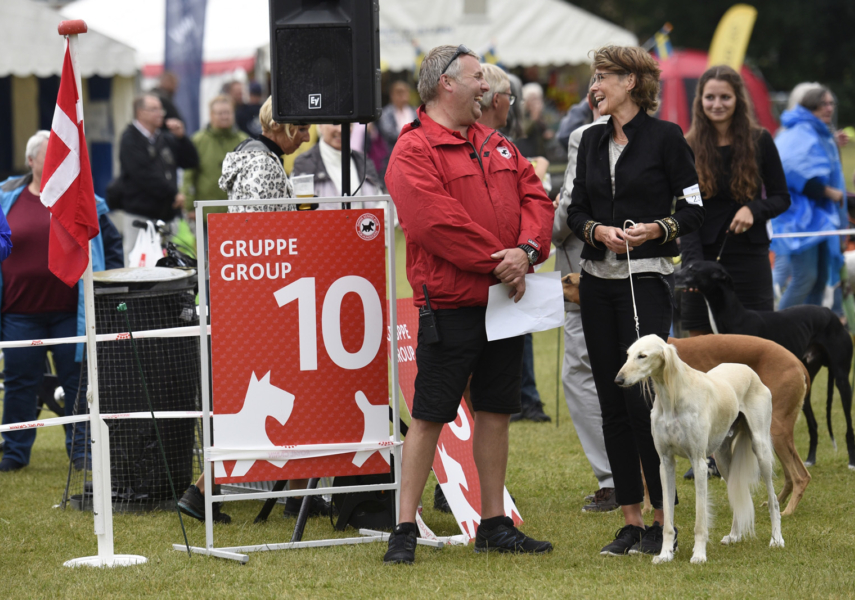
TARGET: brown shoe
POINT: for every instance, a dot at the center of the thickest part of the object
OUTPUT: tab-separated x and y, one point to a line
604	501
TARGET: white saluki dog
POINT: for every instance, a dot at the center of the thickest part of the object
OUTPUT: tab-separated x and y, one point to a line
726	412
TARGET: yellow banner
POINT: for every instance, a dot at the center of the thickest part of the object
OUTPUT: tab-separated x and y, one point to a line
731	36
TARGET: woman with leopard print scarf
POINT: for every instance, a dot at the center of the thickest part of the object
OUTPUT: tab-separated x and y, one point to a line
254	168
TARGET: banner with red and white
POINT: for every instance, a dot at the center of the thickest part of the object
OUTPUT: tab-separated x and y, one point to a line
454	462
67	183
299	366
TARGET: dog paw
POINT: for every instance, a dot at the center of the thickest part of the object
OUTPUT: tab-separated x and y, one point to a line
663	558
698	559
777	543
729	539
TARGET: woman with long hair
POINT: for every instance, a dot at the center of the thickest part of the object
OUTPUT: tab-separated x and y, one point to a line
743	186
629	169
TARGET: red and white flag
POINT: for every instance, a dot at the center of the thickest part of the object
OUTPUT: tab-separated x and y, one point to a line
67	183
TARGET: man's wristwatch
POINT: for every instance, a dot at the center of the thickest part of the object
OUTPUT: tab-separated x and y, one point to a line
530	252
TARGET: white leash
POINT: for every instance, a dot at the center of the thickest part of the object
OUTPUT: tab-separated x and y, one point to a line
631	285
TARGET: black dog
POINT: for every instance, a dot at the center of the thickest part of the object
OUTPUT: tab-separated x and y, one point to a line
813	333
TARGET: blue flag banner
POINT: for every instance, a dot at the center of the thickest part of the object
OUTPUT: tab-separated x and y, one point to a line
185	32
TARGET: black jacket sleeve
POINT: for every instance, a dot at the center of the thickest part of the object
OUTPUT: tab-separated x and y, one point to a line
579	211
777	198
186	156
680	162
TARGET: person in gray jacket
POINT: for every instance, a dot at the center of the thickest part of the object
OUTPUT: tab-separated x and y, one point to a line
580	393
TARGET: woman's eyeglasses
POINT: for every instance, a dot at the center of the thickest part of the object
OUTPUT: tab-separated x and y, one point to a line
599	77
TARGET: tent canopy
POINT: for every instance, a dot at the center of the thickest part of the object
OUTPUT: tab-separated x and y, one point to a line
534	32
30	45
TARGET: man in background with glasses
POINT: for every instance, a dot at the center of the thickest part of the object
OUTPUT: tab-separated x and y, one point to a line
473	213
147	188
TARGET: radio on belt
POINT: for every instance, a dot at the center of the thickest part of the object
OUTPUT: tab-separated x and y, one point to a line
427	322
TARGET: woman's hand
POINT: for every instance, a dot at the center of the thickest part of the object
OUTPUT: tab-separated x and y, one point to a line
835	194
612	238
742	220
642	232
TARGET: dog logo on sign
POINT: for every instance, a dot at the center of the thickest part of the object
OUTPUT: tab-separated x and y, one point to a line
367	226
503	150
246	429
314	101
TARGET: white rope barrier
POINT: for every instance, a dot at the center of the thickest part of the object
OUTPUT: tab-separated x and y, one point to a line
179	414
283	453
172	332
814	233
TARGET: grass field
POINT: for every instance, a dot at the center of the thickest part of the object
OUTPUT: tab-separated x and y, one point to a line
548	475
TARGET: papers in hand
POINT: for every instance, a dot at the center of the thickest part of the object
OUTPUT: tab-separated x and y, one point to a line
541	307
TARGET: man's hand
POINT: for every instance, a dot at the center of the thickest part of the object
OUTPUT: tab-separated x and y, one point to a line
175	127
517	289
179	200
742	220
514	265
612	237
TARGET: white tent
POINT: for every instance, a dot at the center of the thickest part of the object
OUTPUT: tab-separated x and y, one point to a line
31	48
522	33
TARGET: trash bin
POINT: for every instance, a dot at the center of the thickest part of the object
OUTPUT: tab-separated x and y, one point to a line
157	298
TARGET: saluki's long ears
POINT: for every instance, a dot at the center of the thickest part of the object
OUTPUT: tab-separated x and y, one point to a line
671	372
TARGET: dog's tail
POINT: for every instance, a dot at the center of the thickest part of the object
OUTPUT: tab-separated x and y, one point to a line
743	476
828	400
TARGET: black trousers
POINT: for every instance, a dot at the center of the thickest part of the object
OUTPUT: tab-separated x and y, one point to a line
607	320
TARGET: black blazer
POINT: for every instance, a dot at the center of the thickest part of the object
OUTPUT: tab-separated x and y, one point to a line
656	166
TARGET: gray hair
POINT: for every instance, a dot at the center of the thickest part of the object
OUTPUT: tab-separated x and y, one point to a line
497	79
431	70
532	89
812	98
34	144
799	92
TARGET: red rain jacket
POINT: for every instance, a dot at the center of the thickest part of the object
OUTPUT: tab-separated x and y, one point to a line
457	210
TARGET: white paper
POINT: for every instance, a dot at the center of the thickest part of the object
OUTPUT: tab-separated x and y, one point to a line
541	307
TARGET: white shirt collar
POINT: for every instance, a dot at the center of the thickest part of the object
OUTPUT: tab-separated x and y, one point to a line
150	136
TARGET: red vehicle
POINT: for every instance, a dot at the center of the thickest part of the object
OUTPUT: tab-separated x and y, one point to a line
680	74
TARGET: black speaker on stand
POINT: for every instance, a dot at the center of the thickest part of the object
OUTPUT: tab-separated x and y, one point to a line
325	65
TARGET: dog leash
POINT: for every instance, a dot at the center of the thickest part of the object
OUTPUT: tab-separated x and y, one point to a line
723	242
631	285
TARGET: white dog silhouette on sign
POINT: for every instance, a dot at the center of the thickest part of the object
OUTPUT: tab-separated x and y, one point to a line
453	488
375	428
245	429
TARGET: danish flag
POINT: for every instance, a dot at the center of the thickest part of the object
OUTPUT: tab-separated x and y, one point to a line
67	183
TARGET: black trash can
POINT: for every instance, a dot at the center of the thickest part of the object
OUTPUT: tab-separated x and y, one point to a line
157	298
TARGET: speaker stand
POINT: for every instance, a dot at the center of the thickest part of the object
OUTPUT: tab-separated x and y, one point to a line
345	163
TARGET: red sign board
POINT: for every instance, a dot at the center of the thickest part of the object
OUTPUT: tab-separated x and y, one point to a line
453	463
298	315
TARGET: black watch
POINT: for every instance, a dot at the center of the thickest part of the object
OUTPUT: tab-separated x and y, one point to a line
530	252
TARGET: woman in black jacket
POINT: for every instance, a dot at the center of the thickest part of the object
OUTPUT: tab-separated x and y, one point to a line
736	161
629	170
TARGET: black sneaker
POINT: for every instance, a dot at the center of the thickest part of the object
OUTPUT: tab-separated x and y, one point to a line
402	545
532	412
712	469
651	541
192	503
439	501
625	538
603	501
507	538
8	465
317	507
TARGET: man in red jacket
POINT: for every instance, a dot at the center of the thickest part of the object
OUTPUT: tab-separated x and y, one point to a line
474	214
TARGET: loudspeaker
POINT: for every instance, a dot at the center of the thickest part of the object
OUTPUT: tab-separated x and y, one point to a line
325	60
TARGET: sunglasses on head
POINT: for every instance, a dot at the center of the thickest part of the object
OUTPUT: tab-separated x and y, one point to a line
461	49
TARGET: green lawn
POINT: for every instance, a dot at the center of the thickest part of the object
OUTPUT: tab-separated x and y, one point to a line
548	475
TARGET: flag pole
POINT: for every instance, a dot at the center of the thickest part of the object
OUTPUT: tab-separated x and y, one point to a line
99	434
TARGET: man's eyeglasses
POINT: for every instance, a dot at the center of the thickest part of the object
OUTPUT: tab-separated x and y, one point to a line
461	49
599	77
511	97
